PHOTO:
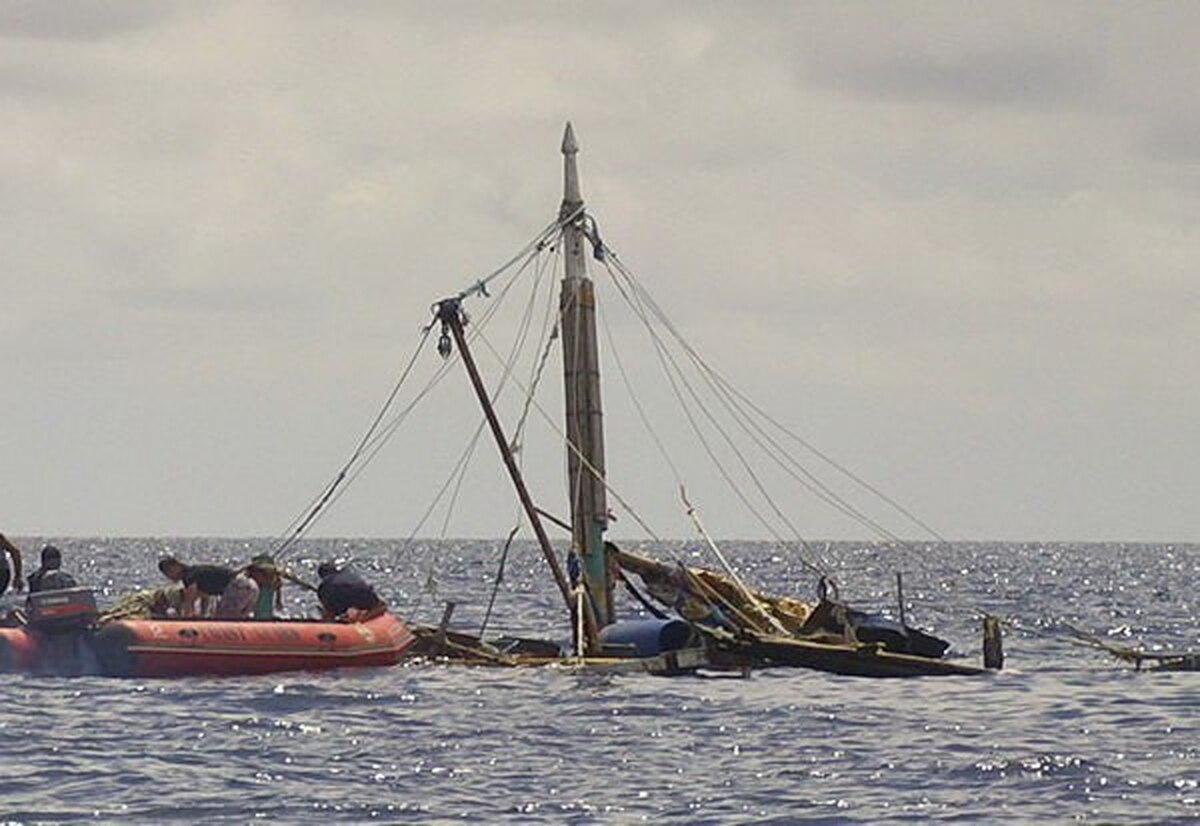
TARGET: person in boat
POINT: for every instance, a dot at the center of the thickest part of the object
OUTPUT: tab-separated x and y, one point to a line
10	575
270	587
269	579
50	576
172	568
344	594
201	583
240	599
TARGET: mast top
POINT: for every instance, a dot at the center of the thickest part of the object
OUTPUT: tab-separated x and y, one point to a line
572	200
569	145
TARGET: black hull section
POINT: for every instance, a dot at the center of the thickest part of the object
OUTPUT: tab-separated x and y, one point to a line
847	660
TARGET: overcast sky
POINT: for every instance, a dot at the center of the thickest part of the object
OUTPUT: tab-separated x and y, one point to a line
954	245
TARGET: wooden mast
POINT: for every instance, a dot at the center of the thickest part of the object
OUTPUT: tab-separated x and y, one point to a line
584	414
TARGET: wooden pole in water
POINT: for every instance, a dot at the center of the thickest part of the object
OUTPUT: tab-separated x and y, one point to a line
993	644
444	627
584	412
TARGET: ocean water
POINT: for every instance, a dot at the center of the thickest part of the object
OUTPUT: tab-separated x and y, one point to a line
1063	734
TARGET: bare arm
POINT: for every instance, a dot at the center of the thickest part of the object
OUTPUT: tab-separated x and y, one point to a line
371	613
18	567
187	602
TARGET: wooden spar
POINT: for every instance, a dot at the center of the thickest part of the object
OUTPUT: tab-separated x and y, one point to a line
450	314
554	520
584	412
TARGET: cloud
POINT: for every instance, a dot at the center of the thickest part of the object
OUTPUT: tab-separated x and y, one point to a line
81	19
1038	76
902	224
1174	139
211	299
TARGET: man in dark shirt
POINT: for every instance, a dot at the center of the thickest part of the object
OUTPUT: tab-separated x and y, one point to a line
8	549
199	581
343	591
50	576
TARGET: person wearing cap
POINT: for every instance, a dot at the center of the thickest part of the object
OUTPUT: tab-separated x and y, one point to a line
342	592
270	589
240	598
11	575
50	576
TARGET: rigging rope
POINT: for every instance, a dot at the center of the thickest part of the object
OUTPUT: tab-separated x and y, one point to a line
675	376
460	468
733	575
640	597
536	245
732	389
513	356
637	404
811	483
487	616
375	437
463	459
548	335
578	453
303	524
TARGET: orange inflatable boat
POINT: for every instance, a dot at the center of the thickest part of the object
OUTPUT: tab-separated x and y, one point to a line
18	650
60	635
183	647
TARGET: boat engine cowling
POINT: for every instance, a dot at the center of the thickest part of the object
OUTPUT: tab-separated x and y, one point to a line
645	637
58	629
64	610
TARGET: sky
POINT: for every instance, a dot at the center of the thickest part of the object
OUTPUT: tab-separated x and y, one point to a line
953	245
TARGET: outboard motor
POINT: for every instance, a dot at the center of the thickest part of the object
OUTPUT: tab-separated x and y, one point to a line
62	621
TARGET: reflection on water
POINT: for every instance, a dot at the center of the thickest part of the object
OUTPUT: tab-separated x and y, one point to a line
1064	734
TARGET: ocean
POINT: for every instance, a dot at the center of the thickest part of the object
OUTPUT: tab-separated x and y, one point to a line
1063	734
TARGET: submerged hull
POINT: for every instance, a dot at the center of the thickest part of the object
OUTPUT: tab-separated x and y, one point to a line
847	660
751	629
177	648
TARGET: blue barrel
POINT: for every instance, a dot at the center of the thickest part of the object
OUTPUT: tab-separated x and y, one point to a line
645	638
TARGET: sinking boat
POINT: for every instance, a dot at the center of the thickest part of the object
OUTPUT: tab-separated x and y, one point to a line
743	627
726	624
